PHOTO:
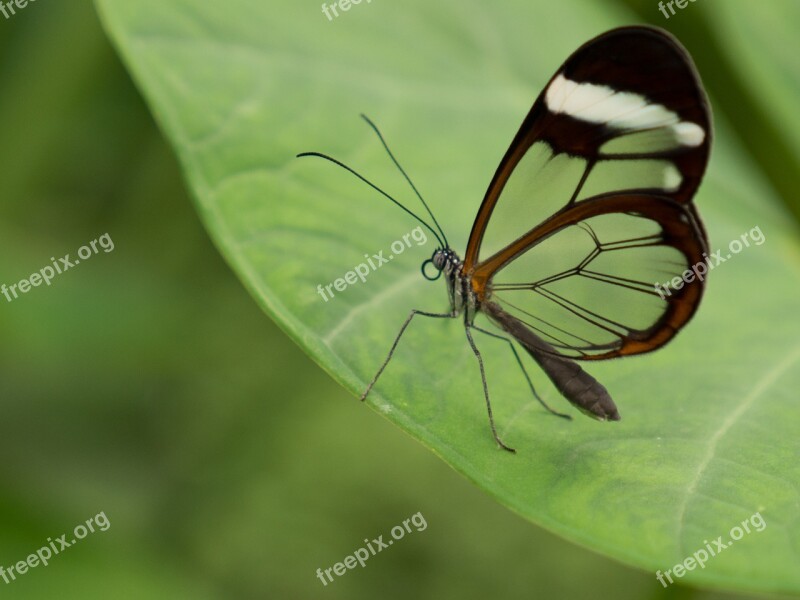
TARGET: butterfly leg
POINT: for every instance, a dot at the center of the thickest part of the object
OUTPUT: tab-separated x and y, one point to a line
414	313
497	439
524	371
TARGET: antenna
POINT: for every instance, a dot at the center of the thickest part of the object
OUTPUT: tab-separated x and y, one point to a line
375	187
408	179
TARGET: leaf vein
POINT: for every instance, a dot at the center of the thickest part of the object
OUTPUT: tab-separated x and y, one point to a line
758	390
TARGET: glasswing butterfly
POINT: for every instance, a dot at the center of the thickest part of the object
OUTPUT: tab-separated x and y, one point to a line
590	205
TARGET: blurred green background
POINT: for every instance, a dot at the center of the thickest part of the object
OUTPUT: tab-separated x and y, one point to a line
148	385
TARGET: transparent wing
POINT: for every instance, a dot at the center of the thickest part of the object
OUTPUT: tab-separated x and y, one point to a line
591	206
617	278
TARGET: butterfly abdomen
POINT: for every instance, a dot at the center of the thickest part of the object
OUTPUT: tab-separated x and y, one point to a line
576	385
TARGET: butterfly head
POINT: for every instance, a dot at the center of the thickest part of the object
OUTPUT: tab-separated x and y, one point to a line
442	260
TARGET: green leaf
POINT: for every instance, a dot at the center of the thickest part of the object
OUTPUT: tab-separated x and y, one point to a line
708	435
762	83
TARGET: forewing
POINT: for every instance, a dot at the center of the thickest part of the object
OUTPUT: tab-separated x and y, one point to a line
625	113
590	210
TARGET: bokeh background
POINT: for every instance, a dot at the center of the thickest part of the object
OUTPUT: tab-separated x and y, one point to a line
148	385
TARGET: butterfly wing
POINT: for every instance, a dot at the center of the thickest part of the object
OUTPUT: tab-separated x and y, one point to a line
591	208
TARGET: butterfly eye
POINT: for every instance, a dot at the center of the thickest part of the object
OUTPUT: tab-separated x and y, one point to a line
439	259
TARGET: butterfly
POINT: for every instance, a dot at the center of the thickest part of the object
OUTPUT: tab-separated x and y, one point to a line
589	209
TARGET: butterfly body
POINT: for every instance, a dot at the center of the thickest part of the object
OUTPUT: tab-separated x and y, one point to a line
577	386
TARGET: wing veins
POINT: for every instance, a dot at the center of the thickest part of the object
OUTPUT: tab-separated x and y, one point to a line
645	288
564	303
532	316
